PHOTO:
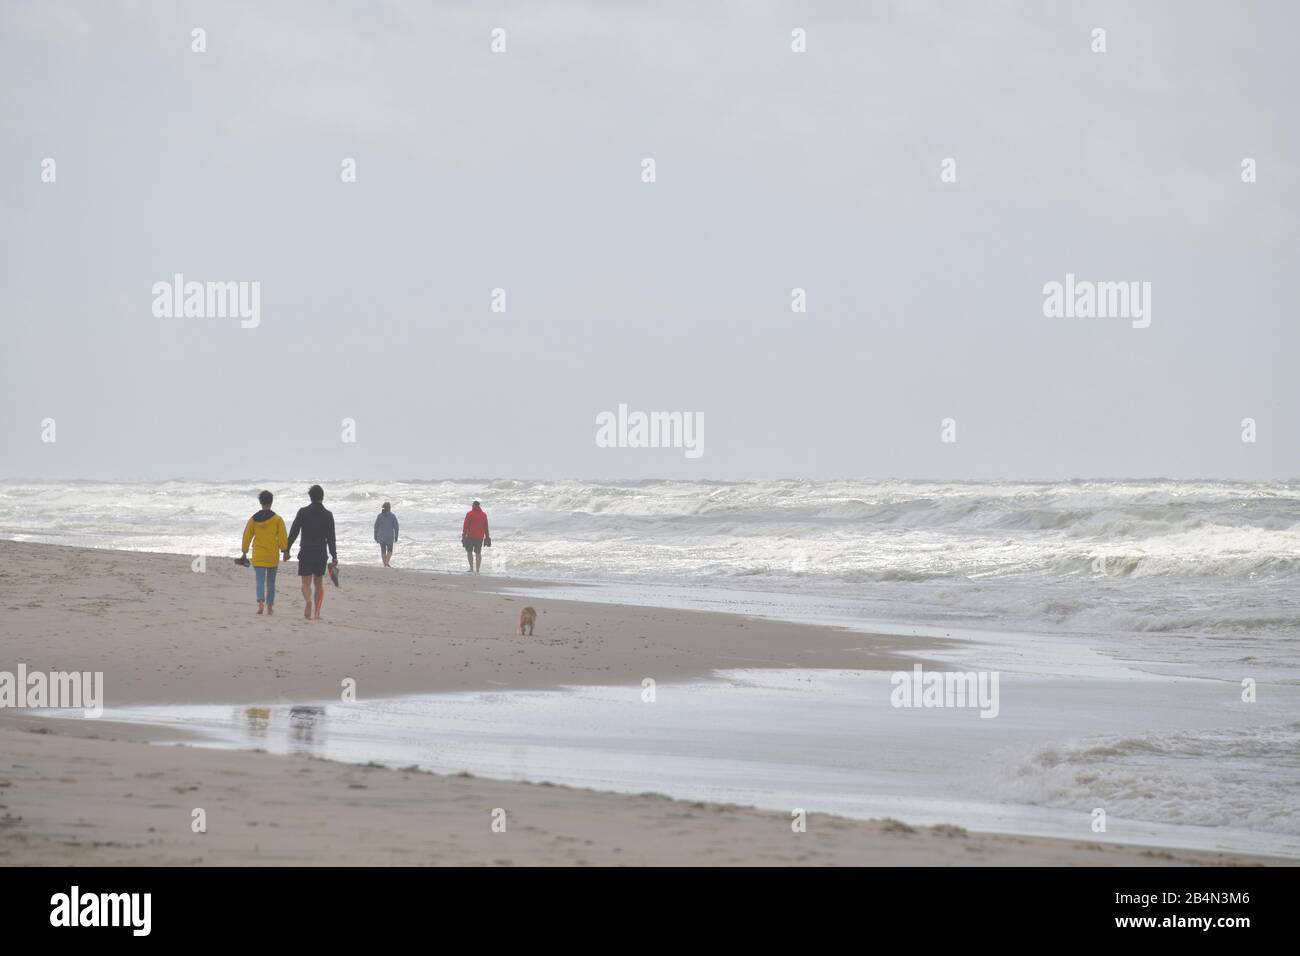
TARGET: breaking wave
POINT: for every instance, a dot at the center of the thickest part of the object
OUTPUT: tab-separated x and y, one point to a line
1244	778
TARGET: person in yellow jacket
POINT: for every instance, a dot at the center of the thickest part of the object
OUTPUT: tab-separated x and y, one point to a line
269	538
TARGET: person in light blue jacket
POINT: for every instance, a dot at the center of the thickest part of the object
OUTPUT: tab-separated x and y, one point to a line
386	533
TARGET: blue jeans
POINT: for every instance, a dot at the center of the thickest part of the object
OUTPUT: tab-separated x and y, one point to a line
265	584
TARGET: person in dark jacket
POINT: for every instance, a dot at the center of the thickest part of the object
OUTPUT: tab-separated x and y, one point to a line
317	528
386	533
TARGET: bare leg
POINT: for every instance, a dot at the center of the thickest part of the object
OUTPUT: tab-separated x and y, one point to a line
320	593
306	596
470	554
478	560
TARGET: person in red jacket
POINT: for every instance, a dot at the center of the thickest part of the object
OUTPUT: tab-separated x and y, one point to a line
472	535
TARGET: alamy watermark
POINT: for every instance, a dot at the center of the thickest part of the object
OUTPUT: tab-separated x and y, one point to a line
179	299
1084	299
62	690
626	429
75	908
946	689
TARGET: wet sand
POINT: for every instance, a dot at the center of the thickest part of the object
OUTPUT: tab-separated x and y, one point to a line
67	799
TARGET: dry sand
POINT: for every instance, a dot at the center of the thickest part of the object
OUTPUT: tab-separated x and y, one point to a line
162	633
88	792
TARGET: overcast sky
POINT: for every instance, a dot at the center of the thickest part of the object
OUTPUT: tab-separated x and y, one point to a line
522	170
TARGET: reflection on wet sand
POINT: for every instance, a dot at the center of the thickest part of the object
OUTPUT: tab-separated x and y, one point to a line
306	726
257	719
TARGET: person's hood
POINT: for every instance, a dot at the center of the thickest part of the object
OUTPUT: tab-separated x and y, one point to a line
266	514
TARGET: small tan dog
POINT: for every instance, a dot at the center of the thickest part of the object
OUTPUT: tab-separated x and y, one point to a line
527	619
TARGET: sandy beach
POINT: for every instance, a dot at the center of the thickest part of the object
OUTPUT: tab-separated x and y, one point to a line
94	792
162	633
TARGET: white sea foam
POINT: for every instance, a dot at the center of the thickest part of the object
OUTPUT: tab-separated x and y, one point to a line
1213	778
